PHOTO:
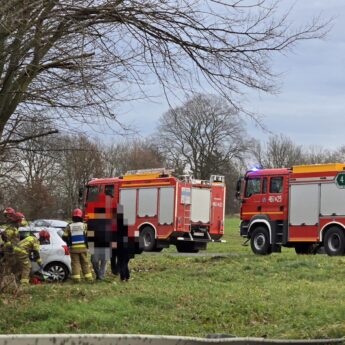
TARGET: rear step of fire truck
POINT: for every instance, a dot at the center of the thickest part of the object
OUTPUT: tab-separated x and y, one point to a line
206	238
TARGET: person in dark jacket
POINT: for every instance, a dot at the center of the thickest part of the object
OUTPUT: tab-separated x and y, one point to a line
124	250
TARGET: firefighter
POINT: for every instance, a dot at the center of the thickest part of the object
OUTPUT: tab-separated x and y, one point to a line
10	237
21	219
9	213
28	250
75	235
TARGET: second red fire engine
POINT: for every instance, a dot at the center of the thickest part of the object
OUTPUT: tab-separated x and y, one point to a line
302	207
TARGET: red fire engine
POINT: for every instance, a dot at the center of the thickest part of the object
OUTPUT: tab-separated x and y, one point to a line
160	209
302	207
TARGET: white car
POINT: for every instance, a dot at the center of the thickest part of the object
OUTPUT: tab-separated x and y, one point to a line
55	256
49	223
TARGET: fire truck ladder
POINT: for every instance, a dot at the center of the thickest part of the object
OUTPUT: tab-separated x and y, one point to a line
279	233
186	215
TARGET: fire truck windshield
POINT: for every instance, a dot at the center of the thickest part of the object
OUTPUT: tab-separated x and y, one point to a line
92	193
253	187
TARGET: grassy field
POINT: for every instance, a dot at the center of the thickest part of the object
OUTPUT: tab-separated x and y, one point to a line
235	293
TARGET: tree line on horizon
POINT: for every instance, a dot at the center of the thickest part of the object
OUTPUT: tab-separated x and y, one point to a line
204	136
70	62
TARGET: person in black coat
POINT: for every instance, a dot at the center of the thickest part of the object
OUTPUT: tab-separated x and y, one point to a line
124	250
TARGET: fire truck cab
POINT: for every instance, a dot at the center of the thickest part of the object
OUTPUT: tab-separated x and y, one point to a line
160	209
302	207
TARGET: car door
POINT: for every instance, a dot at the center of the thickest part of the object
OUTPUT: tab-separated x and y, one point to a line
45	252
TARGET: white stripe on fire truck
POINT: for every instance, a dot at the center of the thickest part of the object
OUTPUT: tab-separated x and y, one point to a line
313	179
249	213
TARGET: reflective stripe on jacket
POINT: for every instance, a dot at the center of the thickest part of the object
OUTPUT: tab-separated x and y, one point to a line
27	245
75	233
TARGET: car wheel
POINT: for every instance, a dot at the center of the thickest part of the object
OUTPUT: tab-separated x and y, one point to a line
58	272
334	242
148	240
260	242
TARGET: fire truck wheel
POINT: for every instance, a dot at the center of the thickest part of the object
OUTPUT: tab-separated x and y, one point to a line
334	241
259	241
147	236
186	248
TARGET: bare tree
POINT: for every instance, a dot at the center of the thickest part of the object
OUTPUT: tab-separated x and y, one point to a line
131	155
8	175
80	160
75	59
319	155
202	135
279	152
38	158
336	156
37	173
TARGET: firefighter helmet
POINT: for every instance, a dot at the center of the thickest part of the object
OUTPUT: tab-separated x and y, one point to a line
77	213
44	235
9	211
10	215
19	217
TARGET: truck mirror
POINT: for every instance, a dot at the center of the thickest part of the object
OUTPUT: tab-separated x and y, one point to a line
238	189
80	193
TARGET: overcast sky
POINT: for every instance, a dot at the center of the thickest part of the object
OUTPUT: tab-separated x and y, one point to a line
310	106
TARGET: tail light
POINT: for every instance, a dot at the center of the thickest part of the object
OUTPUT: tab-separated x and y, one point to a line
66	249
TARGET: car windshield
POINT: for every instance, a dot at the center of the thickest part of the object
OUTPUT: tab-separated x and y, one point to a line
40	222
52	223
58	224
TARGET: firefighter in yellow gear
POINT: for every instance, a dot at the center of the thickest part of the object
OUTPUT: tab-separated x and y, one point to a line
28	250
75	235
10	237
21	219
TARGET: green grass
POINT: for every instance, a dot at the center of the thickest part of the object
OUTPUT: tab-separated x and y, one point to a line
236	293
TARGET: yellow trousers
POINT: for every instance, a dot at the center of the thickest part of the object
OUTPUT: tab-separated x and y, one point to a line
22	268
80	264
